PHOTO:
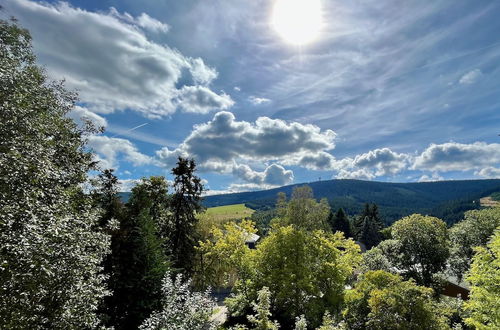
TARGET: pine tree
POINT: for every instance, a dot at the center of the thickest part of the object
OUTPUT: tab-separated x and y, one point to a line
185	203
370	234
139	258
340	222
368	225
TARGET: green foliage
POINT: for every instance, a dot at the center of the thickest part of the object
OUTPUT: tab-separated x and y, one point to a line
181	309
224	257
423	246
262	318
495	196
475	230
300	323
376	259
262	219
381	300
305	271
185	203
139	261
303	211
51	247
368	225
340	222
484	275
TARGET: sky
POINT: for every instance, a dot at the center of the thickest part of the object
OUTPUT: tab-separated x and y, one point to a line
396	91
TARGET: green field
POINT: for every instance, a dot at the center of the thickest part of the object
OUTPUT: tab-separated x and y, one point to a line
228	212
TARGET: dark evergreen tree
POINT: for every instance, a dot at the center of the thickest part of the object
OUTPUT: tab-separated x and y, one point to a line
105	197
368	225
359	221
370	233
139	259
340	222
184	204
375	215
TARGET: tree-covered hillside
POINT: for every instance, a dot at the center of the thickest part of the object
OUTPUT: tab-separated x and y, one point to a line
446	199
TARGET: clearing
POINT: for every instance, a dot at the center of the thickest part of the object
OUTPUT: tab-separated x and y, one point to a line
228	212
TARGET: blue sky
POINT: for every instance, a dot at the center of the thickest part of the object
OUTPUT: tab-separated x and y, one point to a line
388	91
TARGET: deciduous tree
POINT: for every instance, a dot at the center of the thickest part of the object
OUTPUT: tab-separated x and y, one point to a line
484	275
51	247
423	246
381	300
474	230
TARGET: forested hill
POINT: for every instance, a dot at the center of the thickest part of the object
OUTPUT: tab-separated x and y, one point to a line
445	199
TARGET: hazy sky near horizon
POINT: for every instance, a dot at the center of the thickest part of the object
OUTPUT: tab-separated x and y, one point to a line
388	90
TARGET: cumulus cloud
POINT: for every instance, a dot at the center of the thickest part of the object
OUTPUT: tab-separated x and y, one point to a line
470	77
200	99
108	149
81	115
454	156
273	175
489	172
225	145
384	161
224	139
360	174
258	100
430	178
109	59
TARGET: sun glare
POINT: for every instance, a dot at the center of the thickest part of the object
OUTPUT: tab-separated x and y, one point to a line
297	21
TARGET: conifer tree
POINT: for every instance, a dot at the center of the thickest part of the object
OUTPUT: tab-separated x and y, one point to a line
184	204
139	258
340	222
368	225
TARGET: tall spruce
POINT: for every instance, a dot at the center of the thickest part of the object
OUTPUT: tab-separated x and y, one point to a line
340	222
368	225
51	247
185	202
139	260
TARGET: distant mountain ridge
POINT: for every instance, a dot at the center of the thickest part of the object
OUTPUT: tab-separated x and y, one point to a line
446	199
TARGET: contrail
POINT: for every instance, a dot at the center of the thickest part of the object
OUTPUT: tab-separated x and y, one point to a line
130	130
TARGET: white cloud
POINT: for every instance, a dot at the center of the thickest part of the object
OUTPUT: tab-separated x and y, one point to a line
430	178
225	145
361	174
200	99
237	89
489	172
202	74
143	20
80	115
224	140
258	100
384	161
107	150
108	58
454	156
126	185
273	175
470	77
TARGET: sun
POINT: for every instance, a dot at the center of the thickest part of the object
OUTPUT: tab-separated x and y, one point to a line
297	21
